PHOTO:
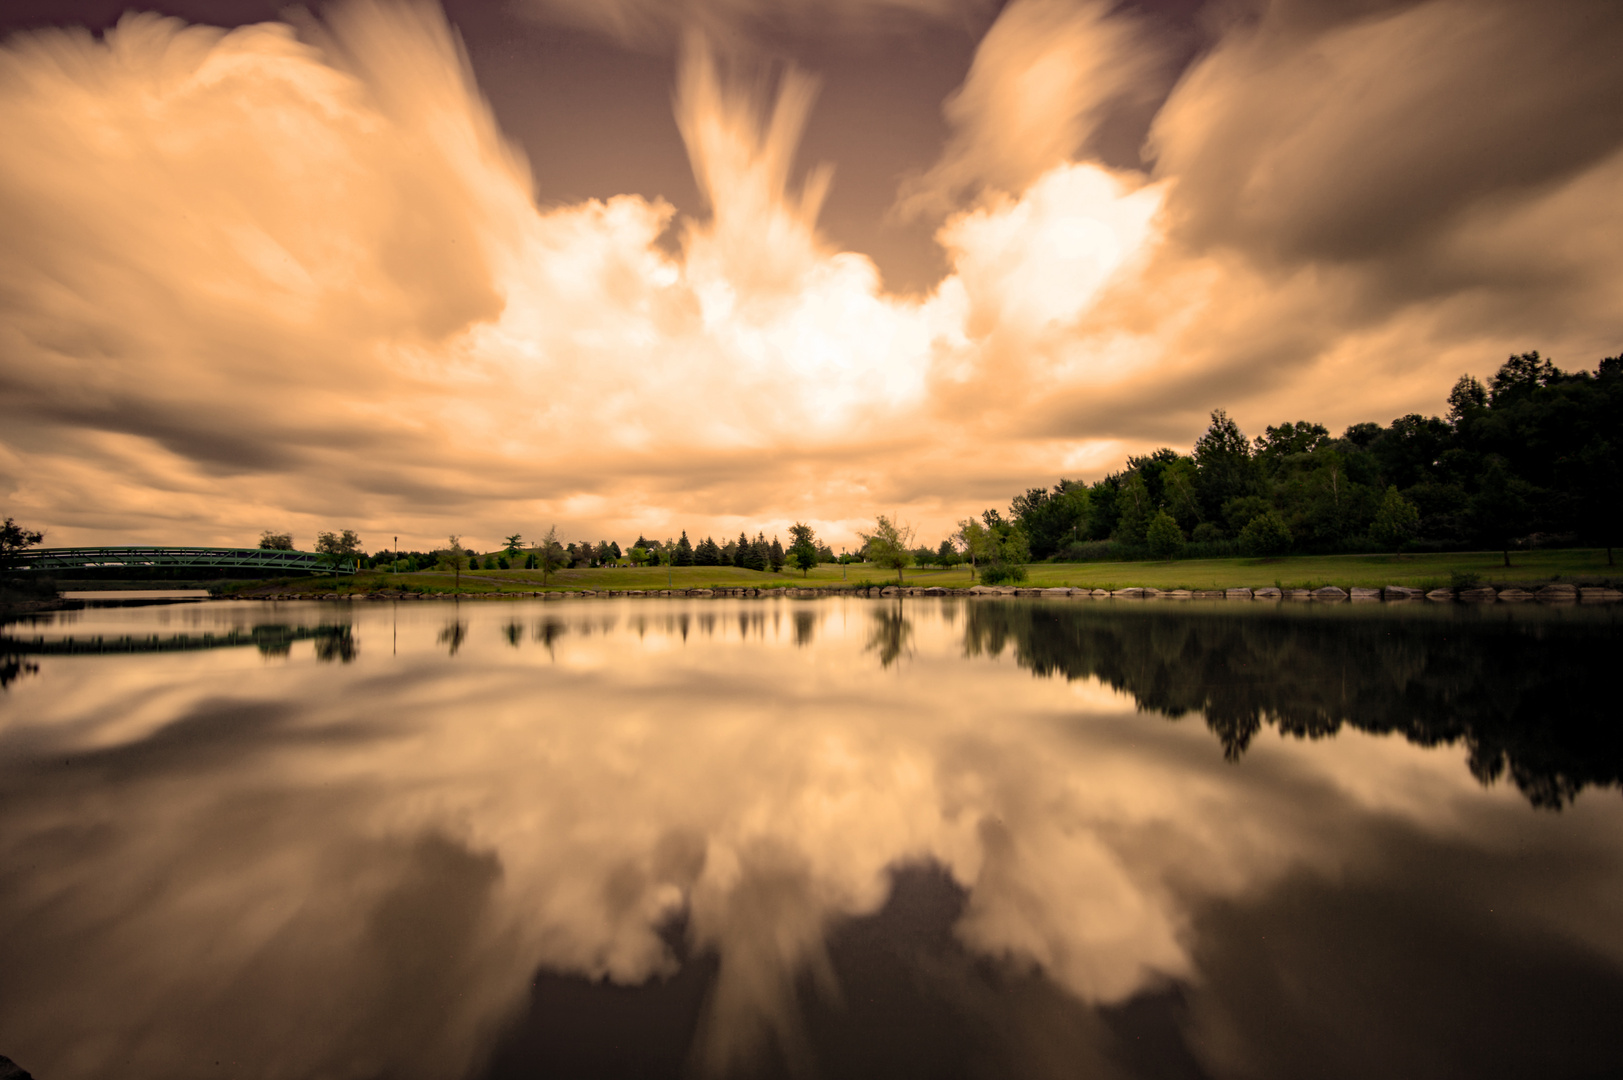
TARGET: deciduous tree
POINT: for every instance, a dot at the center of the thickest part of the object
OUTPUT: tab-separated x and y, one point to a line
887	545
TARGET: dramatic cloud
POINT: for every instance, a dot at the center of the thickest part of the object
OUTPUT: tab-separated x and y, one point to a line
292	275
1042	79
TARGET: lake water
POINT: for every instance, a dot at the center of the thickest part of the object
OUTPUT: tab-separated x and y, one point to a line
812	838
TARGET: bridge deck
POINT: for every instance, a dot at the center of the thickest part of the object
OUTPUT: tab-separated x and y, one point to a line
108	558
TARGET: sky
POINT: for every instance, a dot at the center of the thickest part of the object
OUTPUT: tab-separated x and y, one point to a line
654	266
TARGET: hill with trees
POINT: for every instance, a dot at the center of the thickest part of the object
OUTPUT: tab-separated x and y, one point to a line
1532	458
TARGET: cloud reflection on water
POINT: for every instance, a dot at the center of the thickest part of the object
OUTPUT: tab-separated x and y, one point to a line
377	856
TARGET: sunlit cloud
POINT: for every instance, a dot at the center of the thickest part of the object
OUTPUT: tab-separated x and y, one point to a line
293	275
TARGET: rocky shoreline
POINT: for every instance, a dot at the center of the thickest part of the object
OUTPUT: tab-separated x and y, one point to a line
1553	593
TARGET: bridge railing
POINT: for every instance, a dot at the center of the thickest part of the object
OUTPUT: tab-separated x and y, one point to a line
112	558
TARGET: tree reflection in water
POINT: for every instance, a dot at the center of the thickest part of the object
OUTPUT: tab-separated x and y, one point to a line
453	634
548	631
1528	692
805	626
13	668
340	644
890	634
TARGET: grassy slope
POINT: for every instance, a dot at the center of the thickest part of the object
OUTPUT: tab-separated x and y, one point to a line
1301	571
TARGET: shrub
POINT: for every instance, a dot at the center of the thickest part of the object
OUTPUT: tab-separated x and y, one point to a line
1396	522
1163	536
1265	534
1207	532
998	573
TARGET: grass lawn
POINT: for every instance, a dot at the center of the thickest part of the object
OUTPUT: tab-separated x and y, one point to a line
1291	572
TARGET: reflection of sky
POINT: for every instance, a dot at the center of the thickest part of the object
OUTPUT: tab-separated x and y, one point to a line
324	868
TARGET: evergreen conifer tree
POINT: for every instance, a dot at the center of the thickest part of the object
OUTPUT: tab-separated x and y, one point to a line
776	556
741	551
684	551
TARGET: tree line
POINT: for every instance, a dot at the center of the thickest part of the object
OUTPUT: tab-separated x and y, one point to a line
1531	458
550	553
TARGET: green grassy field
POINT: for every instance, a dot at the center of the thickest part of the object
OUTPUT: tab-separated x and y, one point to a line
1582	566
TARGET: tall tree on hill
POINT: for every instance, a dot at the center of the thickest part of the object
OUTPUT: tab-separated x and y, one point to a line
454	558
802	547
549	553
1224	468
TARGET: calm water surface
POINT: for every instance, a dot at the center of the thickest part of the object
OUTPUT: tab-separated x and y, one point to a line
831	838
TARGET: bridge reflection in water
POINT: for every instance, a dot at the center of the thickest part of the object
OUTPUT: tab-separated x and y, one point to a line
333	642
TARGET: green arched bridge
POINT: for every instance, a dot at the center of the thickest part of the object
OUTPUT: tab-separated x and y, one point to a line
142	558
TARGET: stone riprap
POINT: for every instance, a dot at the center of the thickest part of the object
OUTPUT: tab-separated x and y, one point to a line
1556	592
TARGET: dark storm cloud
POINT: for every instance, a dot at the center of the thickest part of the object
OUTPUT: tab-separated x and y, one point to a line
1362	131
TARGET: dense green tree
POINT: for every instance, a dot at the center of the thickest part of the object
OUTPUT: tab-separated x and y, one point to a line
802	547
742	553
1104	507
1501	507
1223	463
1052	519
341	549
760	553
684	551
1163	536
707	553
1136	509
776	556
273	541
1266	534
1396	522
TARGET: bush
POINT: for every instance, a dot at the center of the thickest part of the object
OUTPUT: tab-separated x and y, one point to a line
1396	523
998	573
1265	534
1207	532
1163	536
